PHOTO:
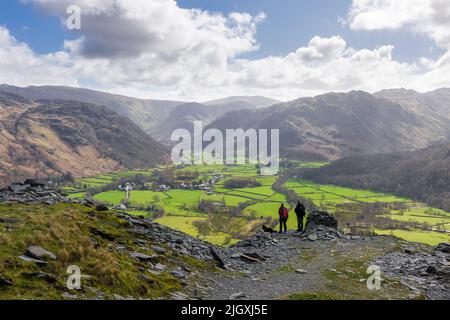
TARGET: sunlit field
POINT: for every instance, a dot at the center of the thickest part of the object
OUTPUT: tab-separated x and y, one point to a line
179	209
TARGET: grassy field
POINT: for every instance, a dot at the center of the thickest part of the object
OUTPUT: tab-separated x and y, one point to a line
324	193
114	197
331	197
431	238
186	225
181	207
104	179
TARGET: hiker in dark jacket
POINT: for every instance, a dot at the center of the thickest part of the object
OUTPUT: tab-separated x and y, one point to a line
300	211
283	213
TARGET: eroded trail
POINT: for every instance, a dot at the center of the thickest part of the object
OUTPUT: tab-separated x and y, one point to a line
298	269
320	263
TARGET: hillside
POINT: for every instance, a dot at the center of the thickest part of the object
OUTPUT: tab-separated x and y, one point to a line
434	104
421	175
116	263
124	257
183	117
57	137
157	117
336	125
145	113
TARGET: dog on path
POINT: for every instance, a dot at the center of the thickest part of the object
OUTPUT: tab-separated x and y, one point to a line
268	230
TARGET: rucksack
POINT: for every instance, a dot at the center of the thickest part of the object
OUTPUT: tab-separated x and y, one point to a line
285	213
302	210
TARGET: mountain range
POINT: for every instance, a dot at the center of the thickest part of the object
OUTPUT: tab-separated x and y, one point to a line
54	137
422	175
152	116
336	125
48	130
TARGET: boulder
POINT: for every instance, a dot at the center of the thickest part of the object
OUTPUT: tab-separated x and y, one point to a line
34	183
8	220
40	253
159	250
179	274
301	271
160	267
321	226
30	259
319	218
443	247
237	295
47	277
143	257
147	279
101	207
217	258
4	281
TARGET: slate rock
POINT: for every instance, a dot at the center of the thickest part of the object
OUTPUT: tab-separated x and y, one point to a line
48	277
30	259
159	267
142	257
69	296
237	295
147	279
8	220
301	271
179	274
320	218
4	281
431	270
40	253
159	249
31	192
443	247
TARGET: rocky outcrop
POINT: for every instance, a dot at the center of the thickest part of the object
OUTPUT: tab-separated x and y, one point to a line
443	247
40	253
421	268
319	218
184	244
31	191
321	226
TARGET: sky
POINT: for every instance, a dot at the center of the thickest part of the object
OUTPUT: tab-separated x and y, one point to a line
207	49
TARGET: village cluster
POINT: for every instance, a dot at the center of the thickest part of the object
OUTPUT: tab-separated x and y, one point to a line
197	185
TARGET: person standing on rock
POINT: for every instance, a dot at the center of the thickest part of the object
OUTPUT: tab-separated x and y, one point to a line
300	211
283	213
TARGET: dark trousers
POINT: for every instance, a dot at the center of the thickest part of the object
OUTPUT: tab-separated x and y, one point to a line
283	223
300	223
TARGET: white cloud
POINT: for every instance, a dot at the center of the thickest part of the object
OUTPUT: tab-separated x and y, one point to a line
155	49
322	49
21	66
333	67
131	28
427	17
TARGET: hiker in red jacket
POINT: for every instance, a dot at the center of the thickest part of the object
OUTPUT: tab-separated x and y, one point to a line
284	216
